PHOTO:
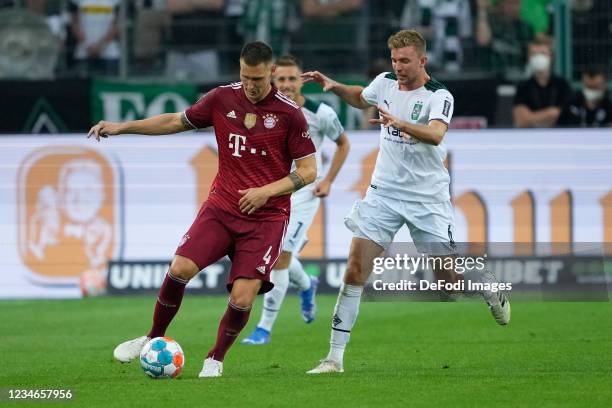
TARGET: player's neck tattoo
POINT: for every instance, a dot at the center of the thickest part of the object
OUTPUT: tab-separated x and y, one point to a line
298	181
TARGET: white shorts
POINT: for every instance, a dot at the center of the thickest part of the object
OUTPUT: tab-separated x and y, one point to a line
304	206
378	219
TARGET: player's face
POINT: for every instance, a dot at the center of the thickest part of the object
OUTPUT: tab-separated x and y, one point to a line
407	63
289	81
256	80
596	82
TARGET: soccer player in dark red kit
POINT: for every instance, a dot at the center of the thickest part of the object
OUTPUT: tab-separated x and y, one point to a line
259	132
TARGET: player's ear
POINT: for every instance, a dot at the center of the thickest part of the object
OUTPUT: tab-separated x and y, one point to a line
423	60
272	69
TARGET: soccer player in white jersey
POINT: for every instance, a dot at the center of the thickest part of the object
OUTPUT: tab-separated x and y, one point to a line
322	122
410	184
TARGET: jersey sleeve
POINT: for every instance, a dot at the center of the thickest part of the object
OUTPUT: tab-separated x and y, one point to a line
442	106
298	139
371	92
330	124
200	114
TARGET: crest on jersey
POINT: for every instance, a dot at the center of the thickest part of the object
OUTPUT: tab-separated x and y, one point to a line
270	120
417	110
249	120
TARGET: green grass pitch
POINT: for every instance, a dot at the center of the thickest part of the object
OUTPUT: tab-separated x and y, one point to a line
401	354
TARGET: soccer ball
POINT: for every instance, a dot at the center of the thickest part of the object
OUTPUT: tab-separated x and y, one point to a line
162	357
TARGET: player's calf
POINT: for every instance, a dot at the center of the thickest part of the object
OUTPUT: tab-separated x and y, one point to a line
236	316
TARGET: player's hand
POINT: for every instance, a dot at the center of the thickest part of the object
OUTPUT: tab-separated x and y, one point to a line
322	189
327	83
104	129
386	119
252	199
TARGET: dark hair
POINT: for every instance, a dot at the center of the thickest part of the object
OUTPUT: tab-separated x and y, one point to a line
594	70
255	53
289	60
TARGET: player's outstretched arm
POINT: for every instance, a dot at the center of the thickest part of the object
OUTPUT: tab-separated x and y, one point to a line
351	94
304	174
163	124
432	133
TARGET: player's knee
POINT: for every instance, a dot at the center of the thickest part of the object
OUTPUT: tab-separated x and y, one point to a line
244	292
354	273
243	301
183	268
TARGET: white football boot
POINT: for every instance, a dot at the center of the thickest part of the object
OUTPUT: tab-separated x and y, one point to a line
327	366
498	303
211	368
500	309
129	350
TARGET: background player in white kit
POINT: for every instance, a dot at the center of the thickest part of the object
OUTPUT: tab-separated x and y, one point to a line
322	122
410	184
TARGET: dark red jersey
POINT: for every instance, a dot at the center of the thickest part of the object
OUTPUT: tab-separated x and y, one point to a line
257	144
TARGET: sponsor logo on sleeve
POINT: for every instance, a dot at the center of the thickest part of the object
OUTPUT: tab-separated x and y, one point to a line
447	106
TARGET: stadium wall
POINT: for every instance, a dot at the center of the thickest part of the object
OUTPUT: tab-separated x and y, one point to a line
69	205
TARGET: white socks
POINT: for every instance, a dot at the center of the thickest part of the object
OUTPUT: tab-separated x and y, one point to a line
298	275
274	299
345	315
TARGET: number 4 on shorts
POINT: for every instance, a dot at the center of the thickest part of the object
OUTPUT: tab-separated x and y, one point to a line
267	257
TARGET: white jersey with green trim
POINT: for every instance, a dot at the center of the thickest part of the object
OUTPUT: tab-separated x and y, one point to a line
322	122
408	169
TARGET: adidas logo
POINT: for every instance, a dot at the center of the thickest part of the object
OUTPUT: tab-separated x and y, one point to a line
231	114
261	269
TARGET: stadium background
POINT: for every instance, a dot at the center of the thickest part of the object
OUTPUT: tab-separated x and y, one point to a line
509	185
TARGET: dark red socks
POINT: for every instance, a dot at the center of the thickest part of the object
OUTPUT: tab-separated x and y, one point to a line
232	323
168	303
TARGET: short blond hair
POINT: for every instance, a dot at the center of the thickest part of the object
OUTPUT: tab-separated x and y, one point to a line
408	38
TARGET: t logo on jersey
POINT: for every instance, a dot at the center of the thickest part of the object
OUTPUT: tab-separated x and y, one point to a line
237	142
417	110
68	205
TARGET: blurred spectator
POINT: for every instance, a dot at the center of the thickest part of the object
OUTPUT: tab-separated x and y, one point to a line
231	41
53	14
445	24
269	21
503	36
591	33
95	29
384	19
536	14
332	34
591	106
539	99
151	21
195	32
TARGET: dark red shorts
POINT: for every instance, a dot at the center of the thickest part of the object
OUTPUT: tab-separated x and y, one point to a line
253	246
